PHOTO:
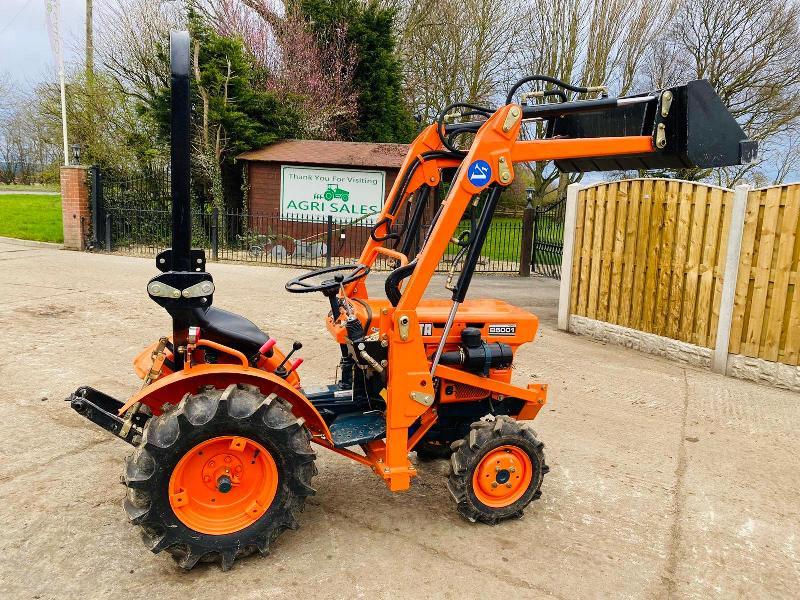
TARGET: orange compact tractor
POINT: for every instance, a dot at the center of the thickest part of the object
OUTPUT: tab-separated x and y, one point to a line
222	428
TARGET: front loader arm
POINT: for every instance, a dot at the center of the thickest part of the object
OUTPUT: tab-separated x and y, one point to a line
655	138
678	127
422	167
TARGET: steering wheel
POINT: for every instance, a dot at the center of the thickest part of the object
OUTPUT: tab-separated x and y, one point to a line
301	285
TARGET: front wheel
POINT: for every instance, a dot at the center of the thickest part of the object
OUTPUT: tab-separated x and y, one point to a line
220	476
496	471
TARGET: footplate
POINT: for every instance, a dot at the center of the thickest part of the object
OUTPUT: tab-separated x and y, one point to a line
358	428
101	409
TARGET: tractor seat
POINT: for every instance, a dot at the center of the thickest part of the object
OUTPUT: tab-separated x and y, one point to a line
229	329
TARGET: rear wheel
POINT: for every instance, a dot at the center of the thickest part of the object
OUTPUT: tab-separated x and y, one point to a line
497	470
220	476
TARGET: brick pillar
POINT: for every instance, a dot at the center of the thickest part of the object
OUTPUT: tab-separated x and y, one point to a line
75	206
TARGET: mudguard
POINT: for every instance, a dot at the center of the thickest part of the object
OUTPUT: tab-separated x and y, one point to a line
171	388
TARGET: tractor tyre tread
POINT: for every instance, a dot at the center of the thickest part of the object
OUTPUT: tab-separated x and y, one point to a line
237	410
482	438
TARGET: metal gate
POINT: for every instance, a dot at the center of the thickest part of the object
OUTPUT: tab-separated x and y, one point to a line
548	239
131	208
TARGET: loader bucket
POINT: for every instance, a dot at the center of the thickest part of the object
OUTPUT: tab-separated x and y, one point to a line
690	126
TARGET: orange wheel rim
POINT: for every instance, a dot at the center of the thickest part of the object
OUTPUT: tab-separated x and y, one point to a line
223	485
502	476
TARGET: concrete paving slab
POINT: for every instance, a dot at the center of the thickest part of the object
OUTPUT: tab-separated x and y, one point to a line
665	481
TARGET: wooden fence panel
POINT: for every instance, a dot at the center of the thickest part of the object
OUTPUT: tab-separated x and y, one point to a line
766	314
608	240
650	253
633	192
693	256
596	255
704	292
743	291
585	253
679	259
617	263
761	281
648	256
580	214
661	305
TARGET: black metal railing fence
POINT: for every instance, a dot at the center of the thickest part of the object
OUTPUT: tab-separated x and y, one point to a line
133	214
287	241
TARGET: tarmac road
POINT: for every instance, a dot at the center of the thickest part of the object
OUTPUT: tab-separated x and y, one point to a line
665	481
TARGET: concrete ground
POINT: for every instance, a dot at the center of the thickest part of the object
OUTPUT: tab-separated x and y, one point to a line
665	481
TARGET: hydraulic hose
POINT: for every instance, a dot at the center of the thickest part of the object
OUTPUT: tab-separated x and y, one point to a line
474	110
387	220
546	78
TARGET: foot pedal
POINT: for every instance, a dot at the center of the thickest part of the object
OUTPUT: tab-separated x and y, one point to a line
352	429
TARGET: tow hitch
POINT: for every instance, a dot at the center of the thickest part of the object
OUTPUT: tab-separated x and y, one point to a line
103	410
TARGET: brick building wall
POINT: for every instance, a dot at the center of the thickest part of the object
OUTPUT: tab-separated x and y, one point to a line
264	206
264	197
264	201
75	211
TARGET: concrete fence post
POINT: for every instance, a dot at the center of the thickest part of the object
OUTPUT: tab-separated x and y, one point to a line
719	360
570	216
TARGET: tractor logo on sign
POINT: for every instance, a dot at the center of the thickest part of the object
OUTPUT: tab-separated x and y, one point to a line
334	191
479	173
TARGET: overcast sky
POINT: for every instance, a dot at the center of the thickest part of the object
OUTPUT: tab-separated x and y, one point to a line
25	53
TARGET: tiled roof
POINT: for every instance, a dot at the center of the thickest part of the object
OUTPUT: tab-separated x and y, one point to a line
317	152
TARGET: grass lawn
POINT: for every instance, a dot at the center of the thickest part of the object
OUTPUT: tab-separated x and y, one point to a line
31	217
503	239
33	187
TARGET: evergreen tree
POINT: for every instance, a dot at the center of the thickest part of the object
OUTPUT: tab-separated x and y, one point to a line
231	113
382	113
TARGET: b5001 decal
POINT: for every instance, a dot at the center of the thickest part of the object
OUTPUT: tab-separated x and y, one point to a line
504	329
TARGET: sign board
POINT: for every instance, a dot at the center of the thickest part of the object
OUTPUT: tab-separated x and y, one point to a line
344	194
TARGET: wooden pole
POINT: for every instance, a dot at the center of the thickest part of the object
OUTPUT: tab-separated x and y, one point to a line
89	41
